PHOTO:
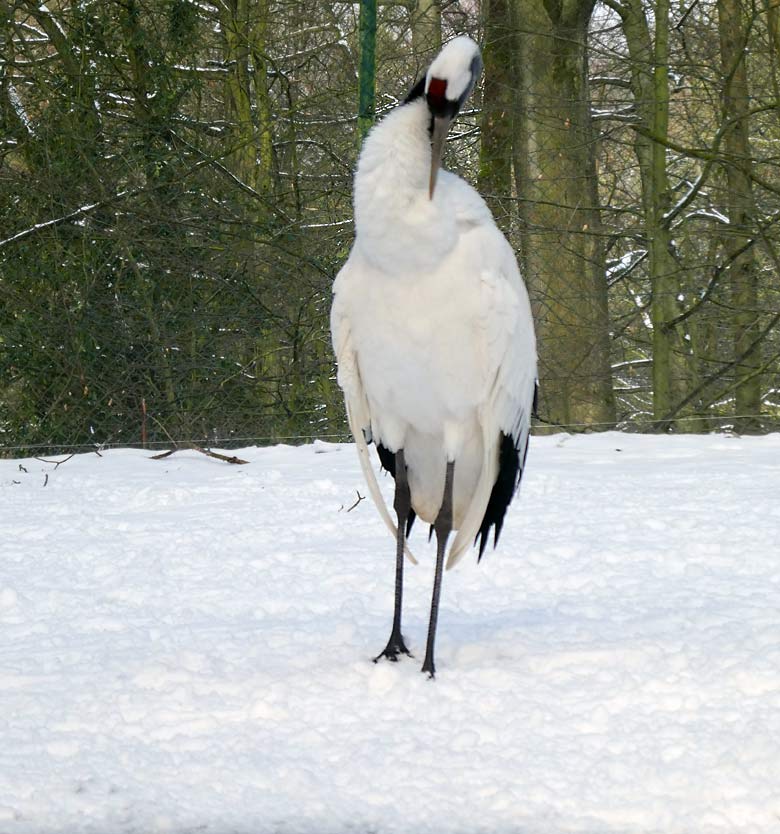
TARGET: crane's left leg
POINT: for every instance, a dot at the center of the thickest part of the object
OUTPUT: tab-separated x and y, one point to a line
402	503
443	528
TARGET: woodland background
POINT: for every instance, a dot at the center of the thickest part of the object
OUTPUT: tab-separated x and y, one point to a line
175	201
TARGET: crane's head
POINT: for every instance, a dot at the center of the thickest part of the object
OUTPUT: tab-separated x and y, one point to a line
448	83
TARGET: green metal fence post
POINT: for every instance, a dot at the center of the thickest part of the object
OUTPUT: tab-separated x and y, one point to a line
367	72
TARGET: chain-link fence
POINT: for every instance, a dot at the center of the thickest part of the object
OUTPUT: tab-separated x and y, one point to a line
175	201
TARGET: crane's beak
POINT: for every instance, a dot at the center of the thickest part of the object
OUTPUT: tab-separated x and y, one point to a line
441	126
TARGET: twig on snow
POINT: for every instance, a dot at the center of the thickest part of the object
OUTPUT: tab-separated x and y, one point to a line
359	499
57	463
208	452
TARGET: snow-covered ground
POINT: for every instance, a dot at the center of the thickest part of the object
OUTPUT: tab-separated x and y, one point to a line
185	646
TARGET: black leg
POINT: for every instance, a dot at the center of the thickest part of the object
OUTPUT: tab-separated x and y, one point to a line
443	528
403	507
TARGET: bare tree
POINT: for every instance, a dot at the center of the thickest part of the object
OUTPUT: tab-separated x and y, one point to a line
556	186
733	28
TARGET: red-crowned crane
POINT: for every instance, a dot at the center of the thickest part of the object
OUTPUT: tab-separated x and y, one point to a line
433	333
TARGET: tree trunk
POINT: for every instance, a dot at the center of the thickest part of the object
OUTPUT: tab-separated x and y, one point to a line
740	207
258	47
495	154
562	252
426	29
650	87
244	25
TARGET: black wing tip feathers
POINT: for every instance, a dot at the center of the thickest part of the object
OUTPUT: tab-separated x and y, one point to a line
387	460
510	470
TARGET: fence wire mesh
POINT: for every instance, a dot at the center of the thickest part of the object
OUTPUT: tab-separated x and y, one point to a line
175	201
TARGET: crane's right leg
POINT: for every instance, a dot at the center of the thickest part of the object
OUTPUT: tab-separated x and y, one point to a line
443	528
402	504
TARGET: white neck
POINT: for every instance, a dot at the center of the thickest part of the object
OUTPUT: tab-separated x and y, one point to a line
399	228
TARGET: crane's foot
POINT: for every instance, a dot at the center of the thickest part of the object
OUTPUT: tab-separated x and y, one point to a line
395	647
428	668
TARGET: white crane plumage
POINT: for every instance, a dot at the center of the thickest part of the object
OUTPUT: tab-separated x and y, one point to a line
433	333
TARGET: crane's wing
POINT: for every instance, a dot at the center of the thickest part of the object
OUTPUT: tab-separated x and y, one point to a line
358	412
505	413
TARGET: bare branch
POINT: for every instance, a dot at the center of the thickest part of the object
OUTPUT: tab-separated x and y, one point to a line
208	452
